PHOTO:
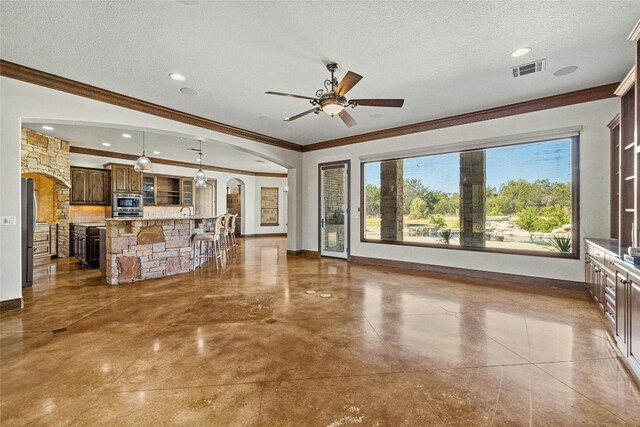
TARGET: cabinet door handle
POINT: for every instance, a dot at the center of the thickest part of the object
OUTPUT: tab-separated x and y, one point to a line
624	281
597	270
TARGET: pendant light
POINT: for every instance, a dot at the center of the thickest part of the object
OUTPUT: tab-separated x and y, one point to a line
200	178
143	163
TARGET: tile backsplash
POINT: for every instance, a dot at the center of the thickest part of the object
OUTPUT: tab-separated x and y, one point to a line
88	213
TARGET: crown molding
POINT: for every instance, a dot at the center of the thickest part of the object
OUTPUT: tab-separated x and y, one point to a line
52	81
123	156
555	101
41	78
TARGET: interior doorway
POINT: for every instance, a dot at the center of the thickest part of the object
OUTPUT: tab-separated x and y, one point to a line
206	199
333	227
235	194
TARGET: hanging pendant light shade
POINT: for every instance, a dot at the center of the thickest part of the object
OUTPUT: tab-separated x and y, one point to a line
200	178
143	163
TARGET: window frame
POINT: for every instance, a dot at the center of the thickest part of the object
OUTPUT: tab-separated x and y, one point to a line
575	202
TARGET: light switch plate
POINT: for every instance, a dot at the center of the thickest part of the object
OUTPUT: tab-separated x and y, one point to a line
7	220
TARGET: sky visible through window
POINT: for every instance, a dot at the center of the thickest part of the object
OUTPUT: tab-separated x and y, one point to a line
549	160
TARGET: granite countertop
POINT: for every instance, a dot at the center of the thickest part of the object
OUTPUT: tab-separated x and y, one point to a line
611	246
90	224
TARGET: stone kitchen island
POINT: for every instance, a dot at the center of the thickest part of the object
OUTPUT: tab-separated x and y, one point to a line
147	248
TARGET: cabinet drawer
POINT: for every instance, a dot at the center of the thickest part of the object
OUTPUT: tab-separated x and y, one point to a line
41	249
40	237
598	255
610	262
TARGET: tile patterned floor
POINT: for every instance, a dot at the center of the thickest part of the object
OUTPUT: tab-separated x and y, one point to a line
249	346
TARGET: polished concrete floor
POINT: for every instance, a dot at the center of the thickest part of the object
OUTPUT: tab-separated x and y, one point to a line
250	346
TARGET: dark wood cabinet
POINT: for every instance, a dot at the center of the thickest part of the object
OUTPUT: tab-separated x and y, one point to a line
78	186
622	291
124	179
90	186
614	286
87	245
135	181
634	322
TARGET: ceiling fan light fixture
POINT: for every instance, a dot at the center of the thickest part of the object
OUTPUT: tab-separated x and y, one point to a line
332	107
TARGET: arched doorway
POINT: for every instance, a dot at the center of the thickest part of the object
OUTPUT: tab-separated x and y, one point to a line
206	203
235	202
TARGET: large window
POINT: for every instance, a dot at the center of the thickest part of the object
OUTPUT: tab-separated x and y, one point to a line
513	198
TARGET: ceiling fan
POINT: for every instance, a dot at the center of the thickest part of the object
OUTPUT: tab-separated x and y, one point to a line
332	99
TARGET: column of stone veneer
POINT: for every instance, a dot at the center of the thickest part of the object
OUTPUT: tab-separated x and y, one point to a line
147	249
391	186
473	174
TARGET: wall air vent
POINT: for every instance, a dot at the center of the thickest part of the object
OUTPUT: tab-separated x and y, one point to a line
530	68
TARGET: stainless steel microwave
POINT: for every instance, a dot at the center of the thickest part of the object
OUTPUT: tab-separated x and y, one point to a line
127	205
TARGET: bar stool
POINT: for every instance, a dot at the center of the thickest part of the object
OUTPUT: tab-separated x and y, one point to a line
224	235
207	245
232	233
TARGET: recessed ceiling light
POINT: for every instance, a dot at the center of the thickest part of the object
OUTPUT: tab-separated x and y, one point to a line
126	135
566	70
178	77
189	91
106	144
521	52
156	152
47	127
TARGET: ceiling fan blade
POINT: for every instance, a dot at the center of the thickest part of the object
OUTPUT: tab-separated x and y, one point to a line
290	95
297	116
347	119
348	81
378	102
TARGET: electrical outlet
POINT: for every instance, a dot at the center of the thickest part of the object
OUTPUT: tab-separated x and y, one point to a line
7	220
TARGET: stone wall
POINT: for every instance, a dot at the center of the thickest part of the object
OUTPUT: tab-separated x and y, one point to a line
147	249
473	173
43	154
391	214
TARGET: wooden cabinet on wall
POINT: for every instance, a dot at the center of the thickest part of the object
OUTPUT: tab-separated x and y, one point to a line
124	179
90	186
625	151
621	279
167	190
186	191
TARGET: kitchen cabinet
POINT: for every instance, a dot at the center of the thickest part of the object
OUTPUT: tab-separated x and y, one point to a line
90	186
149	190
87	245
124	179
614	286
186	191
634	321
45	242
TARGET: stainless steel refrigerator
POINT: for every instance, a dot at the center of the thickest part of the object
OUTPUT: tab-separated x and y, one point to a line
29	212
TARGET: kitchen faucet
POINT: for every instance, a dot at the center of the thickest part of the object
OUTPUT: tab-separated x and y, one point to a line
188	208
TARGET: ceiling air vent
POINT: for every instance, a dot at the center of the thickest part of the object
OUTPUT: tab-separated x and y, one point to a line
530	68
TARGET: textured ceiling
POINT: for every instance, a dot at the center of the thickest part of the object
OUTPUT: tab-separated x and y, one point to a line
443	58
171	147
